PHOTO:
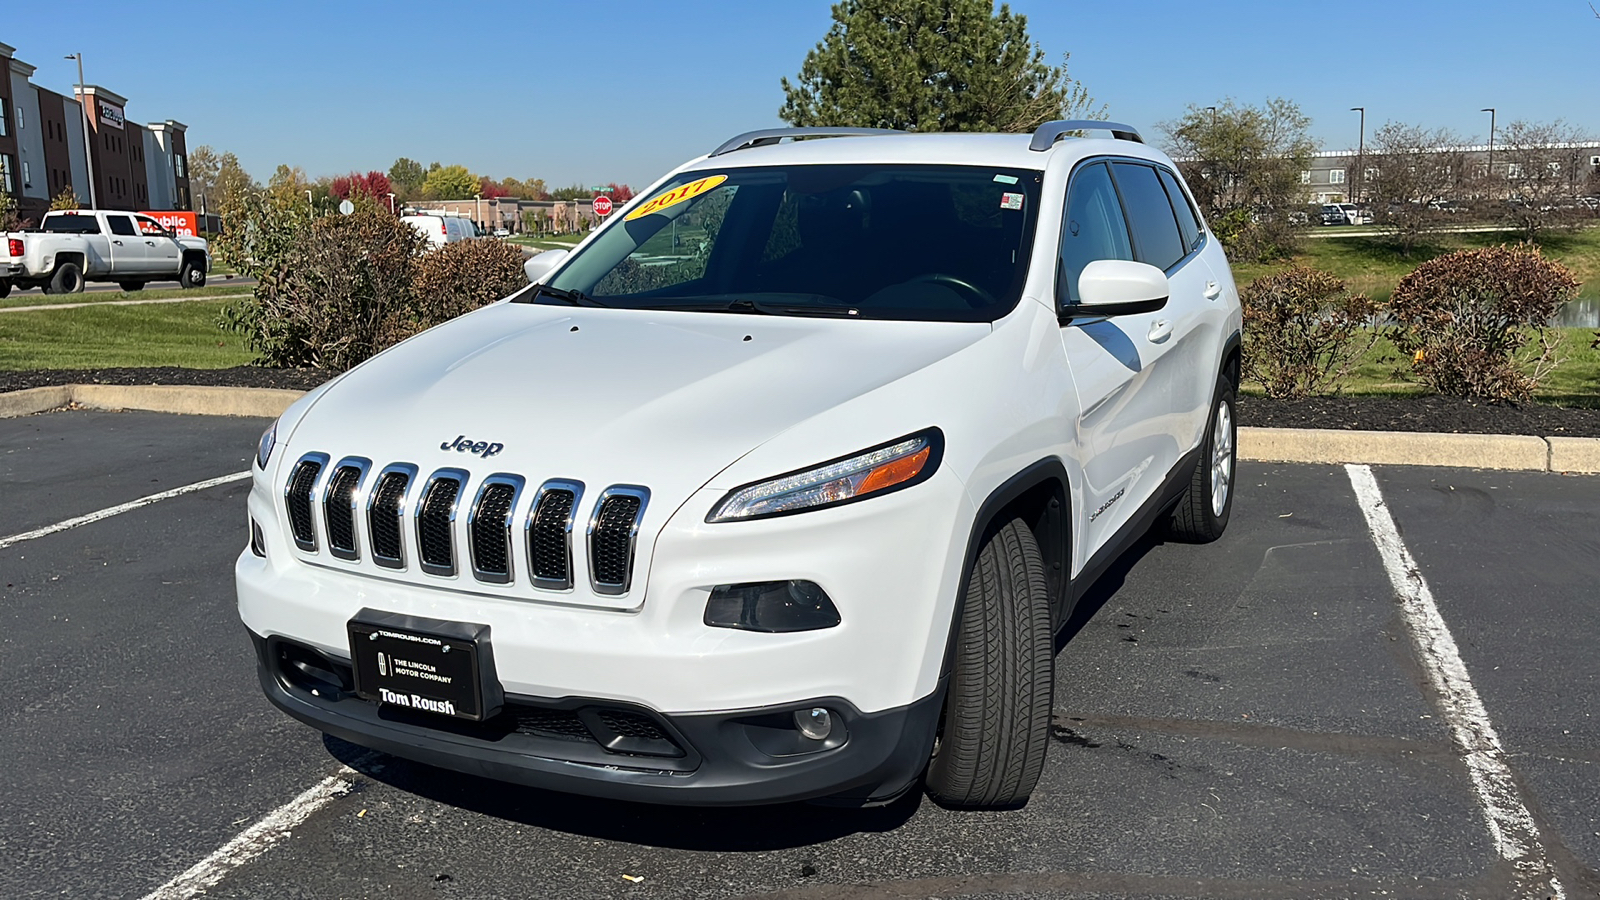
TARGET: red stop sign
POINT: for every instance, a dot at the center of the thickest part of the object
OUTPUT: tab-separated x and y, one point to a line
602	205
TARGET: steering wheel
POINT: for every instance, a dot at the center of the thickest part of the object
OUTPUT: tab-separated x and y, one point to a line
975	297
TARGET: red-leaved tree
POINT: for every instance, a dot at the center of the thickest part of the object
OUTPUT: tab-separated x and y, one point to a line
491	190
374	184
620	193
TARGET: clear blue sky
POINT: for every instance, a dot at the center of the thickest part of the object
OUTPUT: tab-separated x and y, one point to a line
620	91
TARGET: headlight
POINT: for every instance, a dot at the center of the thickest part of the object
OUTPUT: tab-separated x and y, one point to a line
269	439
887	467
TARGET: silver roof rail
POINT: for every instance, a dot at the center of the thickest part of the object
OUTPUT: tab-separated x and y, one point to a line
1050	132
769	136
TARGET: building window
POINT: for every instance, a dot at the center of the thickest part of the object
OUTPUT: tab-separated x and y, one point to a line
177	165
4	128
1336	176
22	121
27	174
1594	160
1305	176
1513	170
5	174
1370	174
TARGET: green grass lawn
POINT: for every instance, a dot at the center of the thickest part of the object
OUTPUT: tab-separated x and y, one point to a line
37	299
548	241
1374	265
162	334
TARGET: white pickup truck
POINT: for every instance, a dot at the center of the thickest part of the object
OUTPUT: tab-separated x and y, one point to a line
72	247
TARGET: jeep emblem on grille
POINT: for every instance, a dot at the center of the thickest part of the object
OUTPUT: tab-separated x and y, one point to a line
476	448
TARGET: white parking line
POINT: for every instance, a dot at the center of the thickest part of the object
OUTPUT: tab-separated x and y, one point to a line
110	511
1511	826
253	841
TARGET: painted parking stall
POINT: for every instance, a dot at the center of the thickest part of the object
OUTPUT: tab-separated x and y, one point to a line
1250	718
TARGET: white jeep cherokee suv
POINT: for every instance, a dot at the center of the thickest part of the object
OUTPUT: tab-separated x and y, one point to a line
775	488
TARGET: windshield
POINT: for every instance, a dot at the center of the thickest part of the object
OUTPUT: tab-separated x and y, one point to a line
70	224
938	243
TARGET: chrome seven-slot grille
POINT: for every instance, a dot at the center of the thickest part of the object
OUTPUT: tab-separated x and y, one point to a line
396	499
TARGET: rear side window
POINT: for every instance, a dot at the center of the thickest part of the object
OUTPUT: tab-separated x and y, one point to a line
71	225
1093	229
121	225
1188	222
1150	218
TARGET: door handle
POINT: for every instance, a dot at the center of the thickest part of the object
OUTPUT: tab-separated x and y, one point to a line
118	243
1160	330
1213	290
151	243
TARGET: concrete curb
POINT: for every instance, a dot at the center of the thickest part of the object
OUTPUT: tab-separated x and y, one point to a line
197	400
1399	448
1290	445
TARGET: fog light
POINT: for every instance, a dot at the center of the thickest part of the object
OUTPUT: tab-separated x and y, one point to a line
771	606
815	723
258	541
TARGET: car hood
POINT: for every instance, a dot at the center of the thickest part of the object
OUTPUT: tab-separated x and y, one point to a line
603	396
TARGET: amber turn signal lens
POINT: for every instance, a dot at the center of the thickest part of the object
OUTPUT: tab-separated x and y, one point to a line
892	473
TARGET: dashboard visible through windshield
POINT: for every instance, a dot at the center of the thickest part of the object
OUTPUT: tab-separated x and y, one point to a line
937	243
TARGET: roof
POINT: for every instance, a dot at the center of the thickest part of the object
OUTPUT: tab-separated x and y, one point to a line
1002	150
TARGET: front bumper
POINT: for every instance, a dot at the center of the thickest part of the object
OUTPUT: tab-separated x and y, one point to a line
726	758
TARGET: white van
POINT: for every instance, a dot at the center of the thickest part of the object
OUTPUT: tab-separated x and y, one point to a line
441	230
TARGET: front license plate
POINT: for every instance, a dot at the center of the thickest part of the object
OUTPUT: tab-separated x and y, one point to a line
423	665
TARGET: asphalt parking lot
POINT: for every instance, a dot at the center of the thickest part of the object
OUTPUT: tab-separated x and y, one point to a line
1249	719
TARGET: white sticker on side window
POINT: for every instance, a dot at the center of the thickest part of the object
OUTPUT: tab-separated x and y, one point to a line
1009	200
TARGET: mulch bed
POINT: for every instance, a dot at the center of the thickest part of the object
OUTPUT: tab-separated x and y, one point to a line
1428	413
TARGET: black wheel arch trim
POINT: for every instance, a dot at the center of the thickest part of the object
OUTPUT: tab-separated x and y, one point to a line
1058	557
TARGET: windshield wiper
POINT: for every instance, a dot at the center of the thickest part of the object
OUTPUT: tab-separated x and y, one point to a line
573	298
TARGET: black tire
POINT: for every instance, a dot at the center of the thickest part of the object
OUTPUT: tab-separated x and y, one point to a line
67	279
996	726
131	286
1202	512
5	288
192	276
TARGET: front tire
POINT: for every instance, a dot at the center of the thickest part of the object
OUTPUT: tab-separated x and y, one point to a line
67	279
192	276
991	745
131	286
1202	513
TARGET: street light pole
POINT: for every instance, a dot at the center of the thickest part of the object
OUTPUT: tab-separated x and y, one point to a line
83	112
1361	153
1490	111
477	208
391	203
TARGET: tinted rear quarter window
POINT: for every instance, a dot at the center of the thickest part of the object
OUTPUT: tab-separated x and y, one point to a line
1094	228
1188	222
121	225
1150	218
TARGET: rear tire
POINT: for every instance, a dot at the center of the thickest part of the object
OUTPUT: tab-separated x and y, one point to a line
5	288
991	744
1202	513
192	276
67	279
131	286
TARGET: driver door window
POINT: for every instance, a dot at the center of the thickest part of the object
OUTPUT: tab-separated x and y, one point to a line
1094	228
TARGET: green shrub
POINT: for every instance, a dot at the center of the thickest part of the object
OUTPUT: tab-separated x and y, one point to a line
1303	332
1464	319
460	277
333	290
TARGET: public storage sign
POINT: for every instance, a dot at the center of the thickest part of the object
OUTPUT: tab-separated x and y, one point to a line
181	221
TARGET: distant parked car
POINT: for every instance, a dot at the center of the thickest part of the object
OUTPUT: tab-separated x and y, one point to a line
441	230
1333	214
502	232
1447	206
1299	217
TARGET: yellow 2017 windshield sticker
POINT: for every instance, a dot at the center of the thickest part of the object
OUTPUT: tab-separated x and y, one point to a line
675	196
